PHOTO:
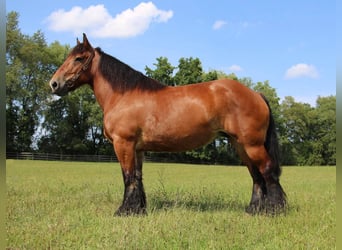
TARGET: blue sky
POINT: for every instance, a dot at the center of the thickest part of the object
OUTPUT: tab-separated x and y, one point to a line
290	43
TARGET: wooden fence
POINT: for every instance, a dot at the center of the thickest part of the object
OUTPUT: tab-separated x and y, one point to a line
162	158
60	157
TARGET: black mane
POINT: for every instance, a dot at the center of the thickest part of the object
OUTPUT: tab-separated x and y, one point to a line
123	77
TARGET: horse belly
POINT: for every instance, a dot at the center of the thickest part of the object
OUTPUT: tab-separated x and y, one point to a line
178	121
174	144
177	139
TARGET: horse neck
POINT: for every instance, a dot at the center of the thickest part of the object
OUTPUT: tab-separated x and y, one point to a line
109	86
103	91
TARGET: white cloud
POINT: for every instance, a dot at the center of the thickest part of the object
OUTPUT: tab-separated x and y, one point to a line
99	23
235	68
219	24
301	70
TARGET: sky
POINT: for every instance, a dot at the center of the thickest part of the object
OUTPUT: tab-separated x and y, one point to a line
291	44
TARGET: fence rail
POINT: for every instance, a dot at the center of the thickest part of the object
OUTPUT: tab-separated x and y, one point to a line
64	157
97	158
60	157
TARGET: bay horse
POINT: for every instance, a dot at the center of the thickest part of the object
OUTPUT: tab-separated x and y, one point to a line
141	114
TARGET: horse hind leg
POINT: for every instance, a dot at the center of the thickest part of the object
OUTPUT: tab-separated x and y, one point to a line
259	190
275	197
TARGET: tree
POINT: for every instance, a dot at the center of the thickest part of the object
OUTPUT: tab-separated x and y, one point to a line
29	66
13	67
247	81
65	125
210	76
324	129
74	125
309	136
298	132
189	71
163	71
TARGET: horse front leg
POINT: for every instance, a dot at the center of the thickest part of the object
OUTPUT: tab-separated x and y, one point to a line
259	191
134	200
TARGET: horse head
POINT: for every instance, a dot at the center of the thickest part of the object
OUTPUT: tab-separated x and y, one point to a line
75	71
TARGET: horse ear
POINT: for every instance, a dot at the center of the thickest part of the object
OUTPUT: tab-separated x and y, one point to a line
78	41
85	41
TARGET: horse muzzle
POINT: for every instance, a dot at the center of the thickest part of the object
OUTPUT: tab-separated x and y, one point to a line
58	88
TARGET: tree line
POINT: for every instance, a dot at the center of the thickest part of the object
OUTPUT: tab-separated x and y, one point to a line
37	121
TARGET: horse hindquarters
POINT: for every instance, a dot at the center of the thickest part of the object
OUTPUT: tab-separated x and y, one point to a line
253	134
265	170
268	195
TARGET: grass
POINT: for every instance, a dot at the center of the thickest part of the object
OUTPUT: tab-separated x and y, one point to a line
68	205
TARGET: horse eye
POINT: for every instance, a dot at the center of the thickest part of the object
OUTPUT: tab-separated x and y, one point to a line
79	59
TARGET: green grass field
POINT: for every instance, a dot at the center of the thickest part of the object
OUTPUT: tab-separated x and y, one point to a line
68	205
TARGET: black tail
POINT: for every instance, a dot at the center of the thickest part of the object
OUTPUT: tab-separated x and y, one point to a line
272	144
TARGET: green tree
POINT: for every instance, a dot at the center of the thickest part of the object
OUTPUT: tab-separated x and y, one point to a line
189	71
247	81
33	116
309	136
66	124
297	119
29	66
13	37
74	125
210	76
163	71
13	67
324	131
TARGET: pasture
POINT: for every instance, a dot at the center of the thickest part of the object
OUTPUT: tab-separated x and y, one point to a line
69	205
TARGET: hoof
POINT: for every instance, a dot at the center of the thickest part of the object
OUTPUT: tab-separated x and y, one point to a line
267	208
275	202
122	211
275	208
134	202
254	209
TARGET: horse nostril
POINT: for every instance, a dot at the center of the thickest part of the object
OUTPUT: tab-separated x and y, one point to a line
54	85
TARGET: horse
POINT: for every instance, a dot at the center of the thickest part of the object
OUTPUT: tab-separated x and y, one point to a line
142	114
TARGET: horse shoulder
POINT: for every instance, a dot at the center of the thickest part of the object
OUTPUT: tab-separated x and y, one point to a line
119	120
